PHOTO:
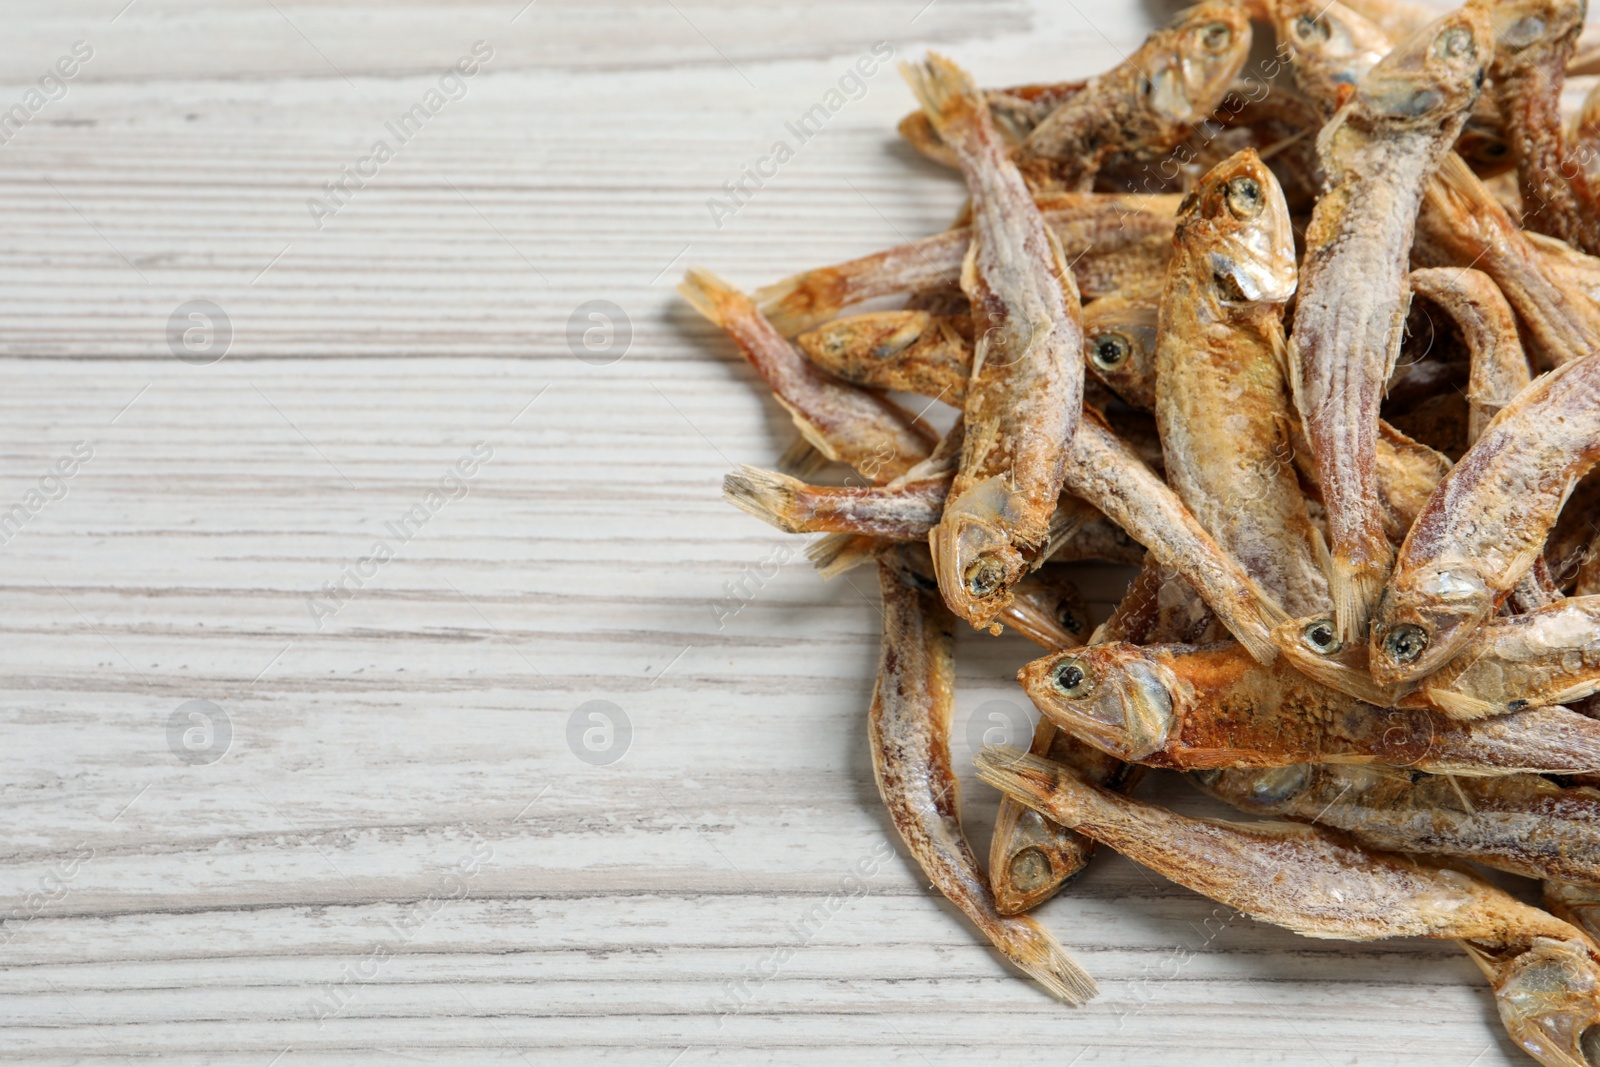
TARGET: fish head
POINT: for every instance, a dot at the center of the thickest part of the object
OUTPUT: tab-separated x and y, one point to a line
1531	32
1238	220
1438	73
1119	346
1340	43
1312	646
973	555
1191	64
883	335
1113	696
1549	999
1424	618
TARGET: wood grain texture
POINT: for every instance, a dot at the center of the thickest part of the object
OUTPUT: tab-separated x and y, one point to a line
398	856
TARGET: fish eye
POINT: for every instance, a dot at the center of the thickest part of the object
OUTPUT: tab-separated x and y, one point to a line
1456	43
1069	620
1031	870
1071	681
1405	643
1216	37
1311	28
1322	638
1111	350
1492	151
1523	32
984	577
1244	197
1589	1045
1277	784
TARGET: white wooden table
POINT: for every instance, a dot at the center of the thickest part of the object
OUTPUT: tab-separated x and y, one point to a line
385	846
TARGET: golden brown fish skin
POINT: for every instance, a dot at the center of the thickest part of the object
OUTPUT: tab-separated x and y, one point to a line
1462	224
1224	404
1150	102
1102	470
1487	523
1521	823
1488	325
1545	972
1025	395
1534	40
907	351
844	423
1378	151
1548	656
909	730
1583	139
1191	708
1112	241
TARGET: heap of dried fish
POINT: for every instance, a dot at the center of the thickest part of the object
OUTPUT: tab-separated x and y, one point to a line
1355	473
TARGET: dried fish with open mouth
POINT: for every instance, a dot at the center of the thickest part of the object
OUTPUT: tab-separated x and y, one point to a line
1151	102
1545	972
1026	391
909	727
1223	406
1190	708
1378	152
1487	523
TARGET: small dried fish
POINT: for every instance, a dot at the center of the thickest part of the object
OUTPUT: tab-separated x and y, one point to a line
1545	973
1223	406
1534	41
1547	656
844	423
1197	708
1026	391
1521	823
1111	242
1463	225
1378	151
1487	323
1151	102
1015	111
1487	523
909	727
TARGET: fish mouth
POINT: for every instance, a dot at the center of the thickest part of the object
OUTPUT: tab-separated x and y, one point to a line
1549	1000
1411	641
1250	280
975	562
1127	713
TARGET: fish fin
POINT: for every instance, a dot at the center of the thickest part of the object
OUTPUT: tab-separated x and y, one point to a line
767	495
709	294
1036	951
801	459
839	553
1462	707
